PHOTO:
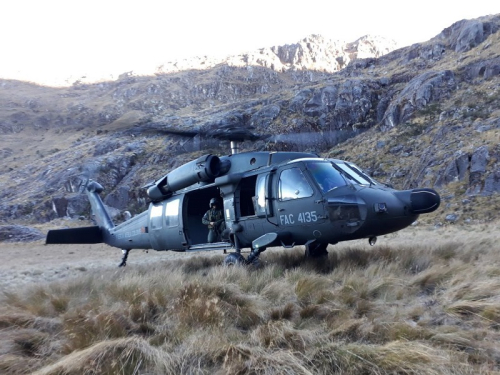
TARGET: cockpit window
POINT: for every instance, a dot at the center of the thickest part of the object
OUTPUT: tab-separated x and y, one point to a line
360	172
293	185
326	175
354	174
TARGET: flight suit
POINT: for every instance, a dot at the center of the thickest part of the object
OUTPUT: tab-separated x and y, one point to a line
214	231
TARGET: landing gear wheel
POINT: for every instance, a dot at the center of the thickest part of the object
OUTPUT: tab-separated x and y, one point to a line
234	259
316	250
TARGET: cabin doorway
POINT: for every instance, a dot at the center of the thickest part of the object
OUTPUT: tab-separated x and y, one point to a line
196	203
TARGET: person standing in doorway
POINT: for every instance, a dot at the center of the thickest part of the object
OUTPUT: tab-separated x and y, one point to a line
214	219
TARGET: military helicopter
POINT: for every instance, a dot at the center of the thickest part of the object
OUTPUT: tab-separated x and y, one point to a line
267	198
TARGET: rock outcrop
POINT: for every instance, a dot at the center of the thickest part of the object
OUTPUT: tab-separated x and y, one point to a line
19	233
313	53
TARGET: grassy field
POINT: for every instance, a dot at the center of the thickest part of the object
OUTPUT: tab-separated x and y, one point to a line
422	301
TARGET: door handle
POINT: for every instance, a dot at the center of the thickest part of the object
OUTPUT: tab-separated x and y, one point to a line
281	209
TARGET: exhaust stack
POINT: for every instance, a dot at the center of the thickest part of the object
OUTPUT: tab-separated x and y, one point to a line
235	147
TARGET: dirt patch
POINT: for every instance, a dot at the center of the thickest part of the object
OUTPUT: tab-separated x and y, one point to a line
29	263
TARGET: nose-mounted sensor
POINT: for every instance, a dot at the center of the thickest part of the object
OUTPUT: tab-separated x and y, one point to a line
380	208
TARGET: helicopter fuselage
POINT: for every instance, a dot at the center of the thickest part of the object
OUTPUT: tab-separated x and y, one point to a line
268	199
300	200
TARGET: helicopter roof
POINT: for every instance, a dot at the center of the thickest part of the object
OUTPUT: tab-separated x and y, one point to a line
247	161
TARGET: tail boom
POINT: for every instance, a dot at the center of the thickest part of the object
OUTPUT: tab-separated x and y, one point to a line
101	216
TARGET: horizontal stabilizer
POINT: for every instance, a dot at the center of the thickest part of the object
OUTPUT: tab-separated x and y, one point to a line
75	235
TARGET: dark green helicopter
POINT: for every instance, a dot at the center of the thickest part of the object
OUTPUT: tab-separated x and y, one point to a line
267	199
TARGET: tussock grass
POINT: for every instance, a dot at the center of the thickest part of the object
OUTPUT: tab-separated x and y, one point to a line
431	308
120	356
400	357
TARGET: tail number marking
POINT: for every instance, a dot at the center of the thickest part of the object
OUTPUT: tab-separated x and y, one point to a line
303	217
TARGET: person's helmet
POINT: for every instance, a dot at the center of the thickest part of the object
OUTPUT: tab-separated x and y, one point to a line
212	202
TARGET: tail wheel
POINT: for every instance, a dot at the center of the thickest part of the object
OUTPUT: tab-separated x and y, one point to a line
316	250
234	259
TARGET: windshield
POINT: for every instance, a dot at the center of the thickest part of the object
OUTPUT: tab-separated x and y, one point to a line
326	176
355	176
355	173
360	172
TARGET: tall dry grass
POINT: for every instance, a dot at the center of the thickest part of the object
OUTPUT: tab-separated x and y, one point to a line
429	306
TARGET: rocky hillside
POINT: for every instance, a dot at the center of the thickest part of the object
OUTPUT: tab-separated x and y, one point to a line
311	53
424	115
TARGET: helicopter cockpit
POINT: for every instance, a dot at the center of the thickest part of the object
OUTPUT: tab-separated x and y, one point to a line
330	174
326	176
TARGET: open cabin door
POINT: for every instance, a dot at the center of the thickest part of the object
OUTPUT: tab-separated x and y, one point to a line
255	212
196	203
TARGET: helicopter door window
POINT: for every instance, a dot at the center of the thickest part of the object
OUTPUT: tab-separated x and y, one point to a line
172	213
260	199
156	217
293	185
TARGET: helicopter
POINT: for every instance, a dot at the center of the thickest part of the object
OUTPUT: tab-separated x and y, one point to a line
268	199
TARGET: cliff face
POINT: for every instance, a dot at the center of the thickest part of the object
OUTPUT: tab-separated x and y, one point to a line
424	115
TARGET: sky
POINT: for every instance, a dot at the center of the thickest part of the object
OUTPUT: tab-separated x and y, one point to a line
48	40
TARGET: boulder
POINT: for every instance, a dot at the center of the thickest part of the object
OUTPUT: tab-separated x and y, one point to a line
314	106
492	184
119	198
299	100
72	205
470	35
419	92
451	218
479	160
78	206
265	116
464	35
60	206
106	146
482	69
455	170
19	233
462	162
478	164
354	103
329	95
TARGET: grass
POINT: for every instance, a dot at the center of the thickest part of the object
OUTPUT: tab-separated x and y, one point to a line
430	308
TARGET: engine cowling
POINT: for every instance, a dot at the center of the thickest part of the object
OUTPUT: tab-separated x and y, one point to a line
204	169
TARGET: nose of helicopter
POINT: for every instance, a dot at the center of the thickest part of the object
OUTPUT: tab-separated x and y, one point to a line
377	211
420	201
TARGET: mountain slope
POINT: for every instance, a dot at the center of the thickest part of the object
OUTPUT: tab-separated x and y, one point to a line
423	115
